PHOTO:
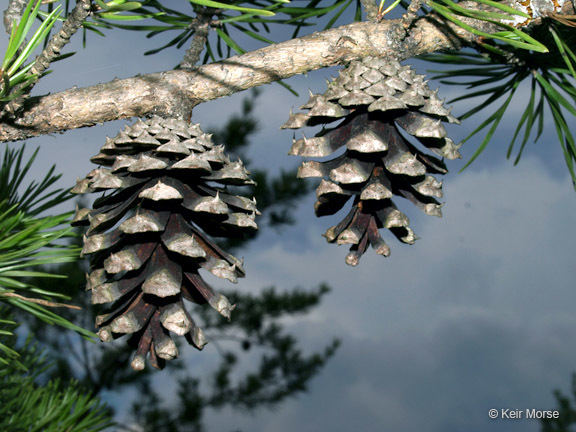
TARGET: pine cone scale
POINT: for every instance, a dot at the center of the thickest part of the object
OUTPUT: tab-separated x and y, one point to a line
175	318
166	279
134	318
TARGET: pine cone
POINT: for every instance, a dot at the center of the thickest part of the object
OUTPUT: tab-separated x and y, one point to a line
375	98
148	236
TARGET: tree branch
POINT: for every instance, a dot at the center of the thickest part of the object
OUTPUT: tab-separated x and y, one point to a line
162	93
172	93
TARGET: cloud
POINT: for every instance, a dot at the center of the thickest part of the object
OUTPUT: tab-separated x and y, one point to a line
477	315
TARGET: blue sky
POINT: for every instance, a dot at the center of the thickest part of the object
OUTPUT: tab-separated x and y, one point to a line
478	314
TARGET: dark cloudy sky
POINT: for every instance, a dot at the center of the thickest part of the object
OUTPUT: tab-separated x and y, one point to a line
478	314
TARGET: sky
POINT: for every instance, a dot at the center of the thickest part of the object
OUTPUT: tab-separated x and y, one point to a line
477	315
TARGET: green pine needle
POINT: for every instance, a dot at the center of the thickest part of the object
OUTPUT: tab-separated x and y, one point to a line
512	36
13	71
28	240
552	77
52	407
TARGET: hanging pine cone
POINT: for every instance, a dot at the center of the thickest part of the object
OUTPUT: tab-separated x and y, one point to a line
375	98
148	236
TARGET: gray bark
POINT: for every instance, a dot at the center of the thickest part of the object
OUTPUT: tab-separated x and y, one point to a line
175	92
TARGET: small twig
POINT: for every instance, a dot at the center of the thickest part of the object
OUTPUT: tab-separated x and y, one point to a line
13	13
38	301
408	19
371	10
201	28
411	14
73	22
